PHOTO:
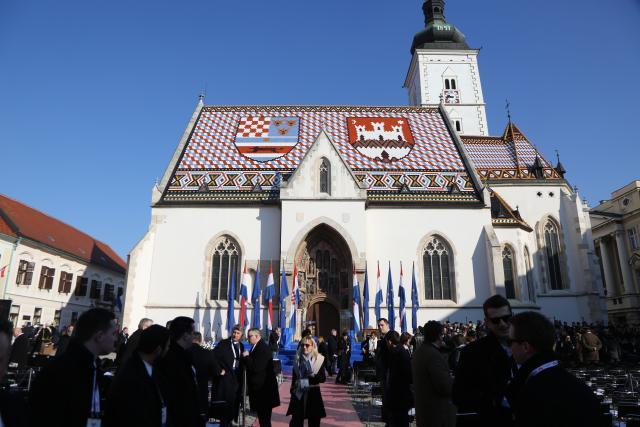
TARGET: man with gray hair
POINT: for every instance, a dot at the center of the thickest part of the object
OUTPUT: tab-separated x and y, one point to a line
132	342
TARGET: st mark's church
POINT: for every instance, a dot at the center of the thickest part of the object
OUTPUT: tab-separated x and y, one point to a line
326	190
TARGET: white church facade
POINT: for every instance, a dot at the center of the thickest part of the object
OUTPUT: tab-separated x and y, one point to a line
325	190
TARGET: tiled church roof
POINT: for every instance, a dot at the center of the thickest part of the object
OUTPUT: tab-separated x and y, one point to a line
25	221
510	156
245	152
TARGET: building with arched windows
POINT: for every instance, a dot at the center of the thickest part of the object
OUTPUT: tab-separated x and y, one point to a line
324	191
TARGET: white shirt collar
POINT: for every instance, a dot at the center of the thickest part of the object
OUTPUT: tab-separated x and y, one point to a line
149	367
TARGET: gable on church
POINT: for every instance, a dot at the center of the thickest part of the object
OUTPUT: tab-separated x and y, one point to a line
245	153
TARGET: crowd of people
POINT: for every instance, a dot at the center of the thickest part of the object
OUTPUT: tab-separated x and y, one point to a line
508	370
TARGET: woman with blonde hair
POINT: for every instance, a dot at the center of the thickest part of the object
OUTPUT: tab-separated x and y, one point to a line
308	372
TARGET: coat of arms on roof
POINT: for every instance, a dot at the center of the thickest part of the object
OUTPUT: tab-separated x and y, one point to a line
384	139
266	138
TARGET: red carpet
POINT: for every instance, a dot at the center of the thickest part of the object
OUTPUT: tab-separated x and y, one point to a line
337	404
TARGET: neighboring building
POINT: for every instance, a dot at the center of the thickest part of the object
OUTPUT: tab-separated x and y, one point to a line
616	224
326	190
51	271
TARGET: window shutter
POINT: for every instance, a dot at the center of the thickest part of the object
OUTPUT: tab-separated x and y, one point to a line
43	278
61	282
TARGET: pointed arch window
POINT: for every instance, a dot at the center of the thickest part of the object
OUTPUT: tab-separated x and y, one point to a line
325	176
529	275
508	266
437	269
552	252
224	263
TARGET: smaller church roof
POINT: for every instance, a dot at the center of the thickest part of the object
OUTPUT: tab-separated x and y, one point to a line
510	156
503	215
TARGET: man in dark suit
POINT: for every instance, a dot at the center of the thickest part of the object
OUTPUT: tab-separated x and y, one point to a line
64	340
332	345
206	367
20	349
400	381
67	392
485	368
136	397
383	356
261	379
274	342
543	393
177	368
132	342
12	408
227	385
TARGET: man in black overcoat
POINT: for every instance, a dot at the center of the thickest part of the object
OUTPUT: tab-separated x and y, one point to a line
66	393
543	393
20	349
382	365
485	368
399	382
261	379
132	342
177	368
274	341
206	367
227	384
13	412
332	345
137	395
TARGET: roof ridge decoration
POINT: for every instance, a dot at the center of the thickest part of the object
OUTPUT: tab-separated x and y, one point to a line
427	151
502	215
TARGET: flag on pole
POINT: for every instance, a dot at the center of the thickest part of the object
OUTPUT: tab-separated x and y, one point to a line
244	297
295	300
255	300
365	302
231	318
284	293
415	303
378	295
269	293
403	301
356	304
392	315
3	270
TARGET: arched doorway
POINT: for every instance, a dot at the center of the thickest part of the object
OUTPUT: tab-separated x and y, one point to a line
324	266
325	316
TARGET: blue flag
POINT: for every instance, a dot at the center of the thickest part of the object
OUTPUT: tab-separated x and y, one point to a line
403	302
415	303
284	293
255	300
392	315
365	302
231	318
378	296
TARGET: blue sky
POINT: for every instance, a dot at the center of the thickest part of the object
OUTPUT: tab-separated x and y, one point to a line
95	95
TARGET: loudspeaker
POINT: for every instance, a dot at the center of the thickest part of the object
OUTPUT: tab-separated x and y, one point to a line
5	309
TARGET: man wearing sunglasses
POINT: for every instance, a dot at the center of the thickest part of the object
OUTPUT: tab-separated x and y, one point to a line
543	393
485	368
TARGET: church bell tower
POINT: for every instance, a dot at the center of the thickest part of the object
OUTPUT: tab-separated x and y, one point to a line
445	69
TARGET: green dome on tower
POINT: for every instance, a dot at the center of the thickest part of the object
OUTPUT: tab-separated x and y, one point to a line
437	34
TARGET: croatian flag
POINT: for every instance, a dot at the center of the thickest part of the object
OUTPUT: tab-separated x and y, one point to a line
365	302
392	315
231	318
378	295
255	300
356	303
415	303
284	293
244	297
295	300
269	293
403	301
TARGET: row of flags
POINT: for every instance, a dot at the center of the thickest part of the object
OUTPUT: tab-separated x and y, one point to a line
290	319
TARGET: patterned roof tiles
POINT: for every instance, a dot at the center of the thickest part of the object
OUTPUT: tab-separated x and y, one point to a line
236	151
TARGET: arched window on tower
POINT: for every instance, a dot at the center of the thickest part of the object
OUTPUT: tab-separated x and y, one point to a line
447	85
552	254
453	84
437	264
224	264
508	266
325	176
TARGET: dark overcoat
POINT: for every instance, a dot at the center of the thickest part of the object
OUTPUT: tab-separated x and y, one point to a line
182	390
433	388
311	404
261	378
227	387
